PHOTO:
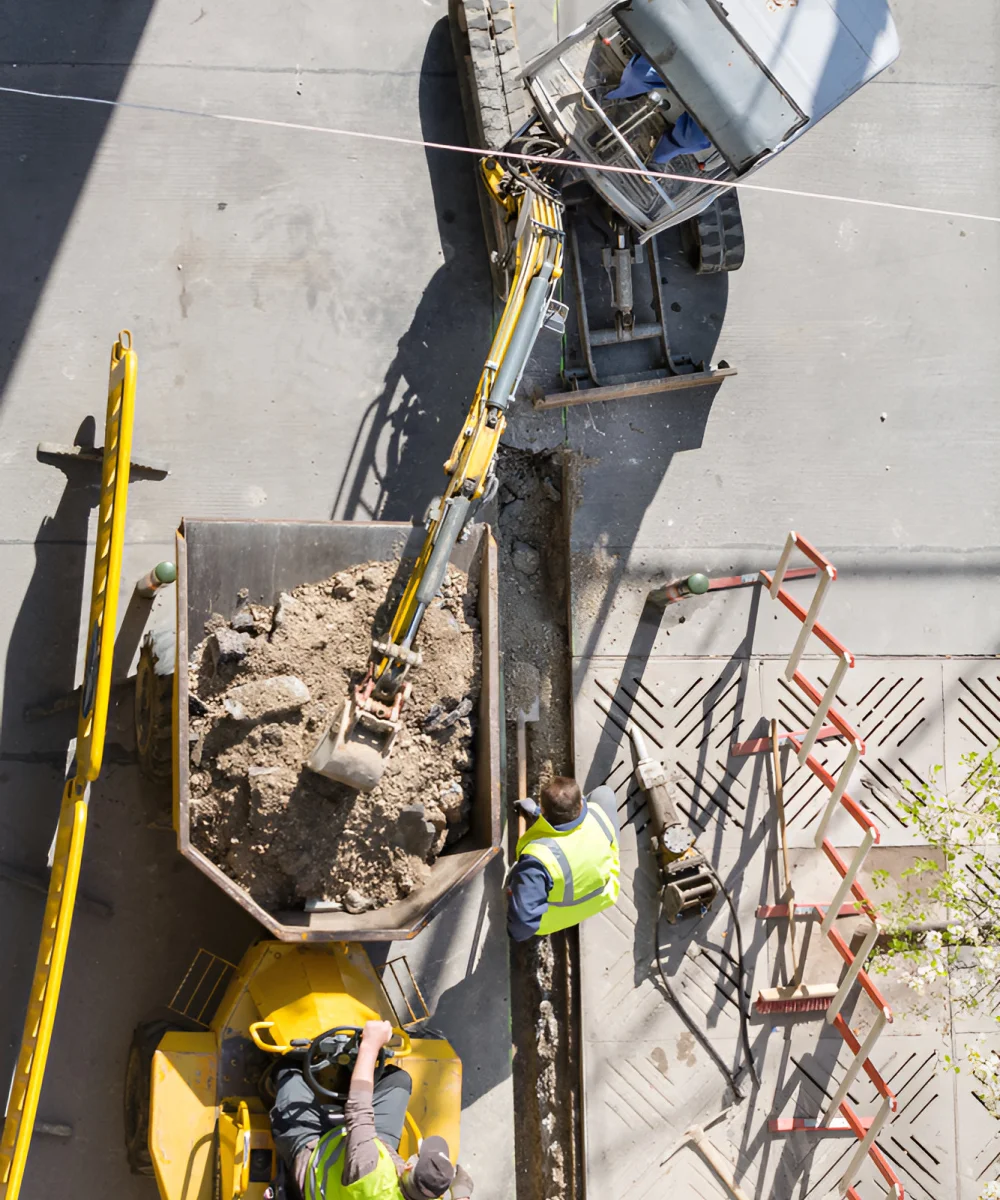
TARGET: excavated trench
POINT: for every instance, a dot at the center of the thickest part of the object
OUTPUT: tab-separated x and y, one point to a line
535	640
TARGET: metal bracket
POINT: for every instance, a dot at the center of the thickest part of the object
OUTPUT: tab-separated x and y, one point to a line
555	317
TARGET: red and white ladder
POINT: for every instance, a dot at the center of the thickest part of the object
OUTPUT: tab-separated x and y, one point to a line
829	723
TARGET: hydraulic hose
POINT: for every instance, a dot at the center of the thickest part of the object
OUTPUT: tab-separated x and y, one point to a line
742	1002
741	962
685	1016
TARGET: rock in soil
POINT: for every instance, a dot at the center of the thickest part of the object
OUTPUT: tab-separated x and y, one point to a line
525	558
266	699
286	834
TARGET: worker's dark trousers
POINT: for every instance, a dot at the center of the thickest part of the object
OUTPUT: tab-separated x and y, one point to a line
298	1120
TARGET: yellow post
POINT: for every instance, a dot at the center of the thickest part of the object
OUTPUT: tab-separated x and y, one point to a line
22	1103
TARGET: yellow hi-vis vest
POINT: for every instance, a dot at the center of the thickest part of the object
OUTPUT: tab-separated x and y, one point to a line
584	864
325	1172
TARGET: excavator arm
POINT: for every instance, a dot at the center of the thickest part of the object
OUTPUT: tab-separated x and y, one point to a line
357	742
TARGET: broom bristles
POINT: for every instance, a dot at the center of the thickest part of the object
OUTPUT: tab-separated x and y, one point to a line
799	1004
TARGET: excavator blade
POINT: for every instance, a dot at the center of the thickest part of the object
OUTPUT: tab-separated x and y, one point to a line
354	747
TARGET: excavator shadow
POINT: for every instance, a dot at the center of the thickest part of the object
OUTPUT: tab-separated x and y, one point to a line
404	436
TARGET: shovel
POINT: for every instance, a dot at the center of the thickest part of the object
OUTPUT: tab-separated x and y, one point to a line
524	715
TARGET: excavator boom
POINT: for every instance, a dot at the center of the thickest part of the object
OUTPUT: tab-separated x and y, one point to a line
355	745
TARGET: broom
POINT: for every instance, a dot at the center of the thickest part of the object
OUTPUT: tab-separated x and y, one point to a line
796	997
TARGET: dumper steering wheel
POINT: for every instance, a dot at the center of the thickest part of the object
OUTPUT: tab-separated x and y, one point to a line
337	1047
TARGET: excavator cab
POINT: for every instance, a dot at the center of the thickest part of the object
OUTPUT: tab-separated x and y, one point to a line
197	1091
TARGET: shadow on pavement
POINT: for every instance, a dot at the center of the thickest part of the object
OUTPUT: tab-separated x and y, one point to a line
47	147
407	432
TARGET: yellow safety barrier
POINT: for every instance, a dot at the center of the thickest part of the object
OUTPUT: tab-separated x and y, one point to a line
22	1103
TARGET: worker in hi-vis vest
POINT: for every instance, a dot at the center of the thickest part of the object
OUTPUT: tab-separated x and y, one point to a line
568	861
351	1152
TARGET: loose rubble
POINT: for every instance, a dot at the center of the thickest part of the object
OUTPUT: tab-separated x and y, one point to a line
265	684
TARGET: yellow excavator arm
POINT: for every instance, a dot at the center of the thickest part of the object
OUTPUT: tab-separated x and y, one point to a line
354	747
538	266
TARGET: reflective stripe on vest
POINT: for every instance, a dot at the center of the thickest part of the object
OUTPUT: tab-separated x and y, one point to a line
325	1173
583	863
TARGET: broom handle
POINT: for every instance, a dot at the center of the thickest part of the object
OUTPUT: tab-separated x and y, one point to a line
779	802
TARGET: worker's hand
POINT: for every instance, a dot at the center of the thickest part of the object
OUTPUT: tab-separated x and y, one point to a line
376	1033
528	808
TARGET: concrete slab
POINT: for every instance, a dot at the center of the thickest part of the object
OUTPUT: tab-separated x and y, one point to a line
849	328
646	1077
290	368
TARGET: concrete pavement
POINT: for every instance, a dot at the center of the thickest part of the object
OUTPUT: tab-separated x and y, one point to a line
310	317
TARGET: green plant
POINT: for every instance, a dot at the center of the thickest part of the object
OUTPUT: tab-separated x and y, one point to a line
944	920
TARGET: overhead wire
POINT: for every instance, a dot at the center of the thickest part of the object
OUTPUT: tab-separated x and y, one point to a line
421	143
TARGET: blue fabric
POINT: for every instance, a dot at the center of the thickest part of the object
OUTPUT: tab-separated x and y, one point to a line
684	138
528	887
528	890
638	78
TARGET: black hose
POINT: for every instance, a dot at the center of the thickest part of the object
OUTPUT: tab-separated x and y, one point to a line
741	991
682	1012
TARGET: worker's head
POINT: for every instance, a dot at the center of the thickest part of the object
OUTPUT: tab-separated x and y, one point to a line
561	800
429	1173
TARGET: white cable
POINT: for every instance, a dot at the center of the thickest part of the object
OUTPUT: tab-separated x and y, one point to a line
529	158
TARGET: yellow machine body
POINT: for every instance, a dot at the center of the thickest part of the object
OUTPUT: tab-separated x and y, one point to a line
206	1123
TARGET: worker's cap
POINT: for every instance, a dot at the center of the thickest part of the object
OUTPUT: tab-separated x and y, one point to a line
432	1173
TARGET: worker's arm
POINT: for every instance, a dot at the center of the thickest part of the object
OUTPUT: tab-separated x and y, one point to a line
361	1149
528	887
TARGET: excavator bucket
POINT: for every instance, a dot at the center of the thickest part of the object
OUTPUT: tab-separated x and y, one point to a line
355	746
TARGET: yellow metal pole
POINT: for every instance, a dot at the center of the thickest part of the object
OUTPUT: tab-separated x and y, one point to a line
43	999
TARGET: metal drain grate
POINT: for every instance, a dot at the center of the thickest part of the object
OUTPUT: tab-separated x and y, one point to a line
690	714
897	709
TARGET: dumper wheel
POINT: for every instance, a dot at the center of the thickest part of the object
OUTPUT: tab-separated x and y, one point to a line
495	100
154	700
715	237
138	1078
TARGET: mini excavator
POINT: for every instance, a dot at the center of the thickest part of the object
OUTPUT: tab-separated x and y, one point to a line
638	121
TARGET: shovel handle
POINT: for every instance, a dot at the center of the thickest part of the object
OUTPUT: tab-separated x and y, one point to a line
522	771
719	1165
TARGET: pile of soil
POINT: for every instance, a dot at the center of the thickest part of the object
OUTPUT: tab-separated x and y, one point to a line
264	687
